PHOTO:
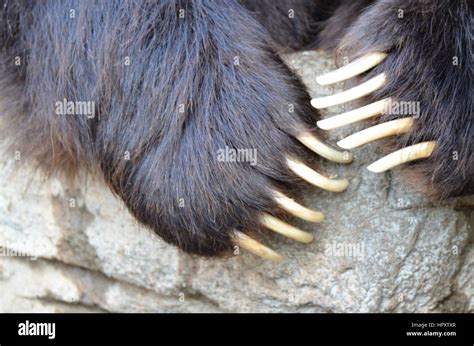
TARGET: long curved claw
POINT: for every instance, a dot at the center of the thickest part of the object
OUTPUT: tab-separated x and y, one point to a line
414	152
324	150
349	95
390	128
354	115
316	179
245	242
319	147
353	69
285	229
296	209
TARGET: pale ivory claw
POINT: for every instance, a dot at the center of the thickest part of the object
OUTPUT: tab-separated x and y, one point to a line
390	128
314	178
351	94
245	242
414	152
285	229
296	209
353	69
354	115
324	150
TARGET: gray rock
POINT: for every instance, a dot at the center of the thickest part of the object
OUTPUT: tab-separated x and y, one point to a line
380	248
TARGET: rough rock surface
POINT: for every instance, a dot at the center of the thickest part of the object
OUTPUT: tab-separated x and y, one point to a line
380	248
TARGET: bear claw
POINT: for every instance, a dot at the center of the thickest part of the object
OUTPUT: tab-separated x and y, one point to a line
391	128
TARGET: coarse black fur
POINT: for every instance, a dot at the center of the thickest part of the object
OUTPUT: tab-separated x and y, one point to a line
430	61
206	75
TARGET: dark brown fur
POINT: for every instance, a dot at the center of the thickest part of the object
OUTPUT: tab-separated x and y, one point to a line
173	182
421	46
